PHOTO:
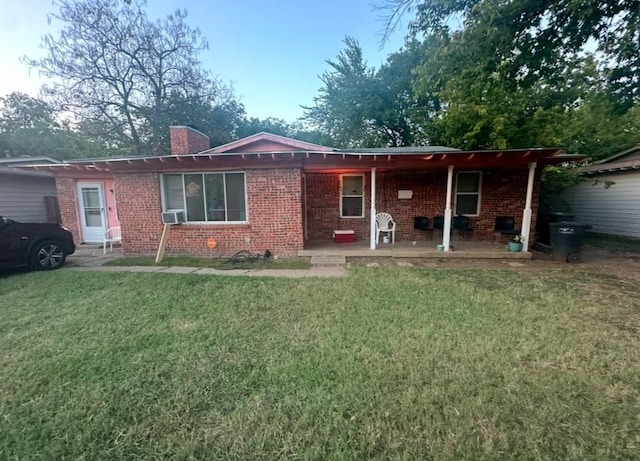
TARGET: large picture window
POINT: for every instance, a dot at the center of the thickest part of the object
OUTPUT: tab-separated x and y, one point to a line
207	197
468	193
352	196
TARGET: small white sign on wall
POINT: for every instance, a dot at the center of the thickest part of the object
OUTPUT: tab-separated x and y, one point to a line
405	194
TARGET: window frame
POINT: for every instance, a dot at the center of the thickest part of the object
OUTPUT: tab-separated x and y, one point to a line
478	193
361	196
204	195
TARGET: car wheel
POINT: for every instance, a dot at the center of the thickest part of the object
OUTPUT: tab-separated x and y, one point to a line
47	256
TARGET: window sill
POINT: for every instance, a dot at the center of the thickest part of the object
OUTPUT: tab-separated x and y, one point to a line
216	223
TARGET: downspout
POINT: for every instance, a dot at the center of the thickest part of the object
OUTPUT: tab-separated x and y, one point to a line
526	215
446	231
372	223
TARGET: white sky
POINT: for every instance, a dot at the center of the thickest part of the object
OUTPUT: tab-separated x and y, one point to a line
272	51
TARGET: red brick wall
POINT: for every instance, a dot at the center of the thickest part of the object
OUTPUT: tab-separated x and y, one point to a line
502	193
275	218
185	140
275	210
67	200
323	208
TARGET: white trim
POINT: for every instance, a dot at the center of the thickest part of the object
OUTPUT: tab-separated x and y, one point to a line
526	214
446	231
96	234
362	195
479	193
184	197
372	212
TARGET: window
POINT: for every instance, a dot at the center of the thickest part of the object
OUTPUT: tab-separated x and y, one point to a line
468	193
352	196
207	197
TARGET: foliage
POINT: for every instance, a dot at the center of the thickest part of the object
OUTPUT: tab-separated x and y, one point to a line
219	120
254	125
28	127
342	110
556	178
498	364
519	73
525	40
113	65
358	106
296	130
597	129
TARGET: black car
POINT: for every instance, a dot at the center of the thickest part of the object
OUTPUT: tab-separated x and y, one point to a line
37	245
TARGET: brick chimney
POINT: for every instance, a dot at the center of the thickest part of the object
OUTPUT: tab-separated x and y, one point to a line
186	140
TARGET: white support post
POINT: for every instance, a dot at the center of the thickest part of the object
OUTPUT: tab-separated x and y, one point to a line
372	225
446	231
526	214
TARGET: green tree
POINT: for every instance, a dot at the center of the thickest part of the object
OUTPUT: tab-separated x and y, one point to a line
597	129
111	64
254	125
358	106
528	39
28	127
219	120
343	108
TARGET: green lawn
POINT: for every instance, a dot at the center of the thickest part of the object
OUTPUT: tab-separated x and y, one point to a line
240	261
613	243
387	363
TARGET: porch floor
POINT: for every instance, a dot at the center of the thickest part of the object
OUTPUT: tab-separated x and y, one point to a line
406	249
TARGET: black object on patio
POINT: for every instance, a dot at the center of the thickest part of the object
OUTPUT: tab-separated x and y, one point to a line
421	223
505	225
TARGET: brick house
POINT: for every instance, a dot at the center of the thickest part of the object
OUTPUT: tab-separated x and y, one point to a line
271	192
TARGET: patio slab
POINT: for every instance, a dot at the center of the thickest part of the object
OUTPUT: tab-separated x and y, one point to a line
406	249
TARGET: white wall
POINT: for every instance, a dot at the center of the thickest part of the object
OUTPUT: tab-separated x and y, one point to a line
22	196
611	210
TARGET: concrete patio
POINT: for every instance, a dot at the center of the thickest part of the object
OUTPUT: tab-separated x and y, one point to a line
407	249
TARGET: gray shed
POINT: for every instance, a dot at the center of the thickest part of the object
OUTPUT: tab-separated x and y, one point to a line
609	198
27	196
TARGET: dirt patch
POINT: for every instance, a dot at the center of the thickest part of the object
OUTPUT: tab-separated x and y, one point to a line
623	265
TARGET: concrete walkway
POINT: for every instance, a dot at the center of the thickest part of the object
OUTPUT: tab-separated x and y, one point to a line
91	258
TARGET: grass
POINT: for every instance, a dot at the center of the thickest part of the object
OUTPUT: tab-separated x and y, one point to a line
213	263
387	363
614	243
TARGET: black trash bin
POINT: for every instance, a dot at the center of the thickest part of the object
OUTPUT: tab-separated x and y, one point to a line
546	218
566	240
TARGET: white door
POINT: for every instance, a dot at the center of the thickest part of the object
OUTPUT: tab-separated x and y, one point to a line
92	215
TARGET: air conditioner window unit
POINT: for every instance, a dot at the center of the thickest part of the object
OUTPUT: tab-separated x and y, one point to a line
173	217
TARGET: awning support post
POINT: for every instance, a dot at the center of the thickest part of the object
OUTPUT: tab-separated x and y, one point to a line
446	231
372	222
526	215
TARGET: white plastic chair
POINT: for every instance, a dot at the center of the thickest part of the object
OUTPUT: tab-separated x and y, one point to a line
385	223
112	236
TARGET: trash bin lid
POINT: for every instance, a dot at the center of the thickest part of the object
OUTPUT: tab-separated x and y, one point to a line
568	224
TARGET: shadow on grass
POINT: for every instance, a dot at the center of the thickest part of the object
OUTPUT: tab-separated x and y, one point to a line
214	263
